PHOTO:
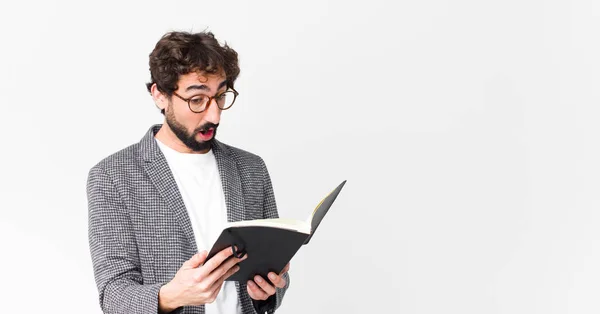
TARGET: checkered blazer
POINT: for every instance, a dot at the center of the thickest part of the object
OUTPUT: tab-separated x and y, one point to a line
139	230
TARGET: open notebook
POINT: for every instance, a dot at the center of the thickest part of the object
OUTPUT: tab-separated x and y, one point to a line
270	243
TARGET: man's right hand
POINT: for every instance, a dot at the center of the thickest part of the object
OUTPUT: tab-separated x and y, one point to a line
194	284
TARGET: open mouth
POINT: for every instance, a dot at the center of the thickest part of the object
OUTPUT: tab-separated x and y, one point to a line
207	134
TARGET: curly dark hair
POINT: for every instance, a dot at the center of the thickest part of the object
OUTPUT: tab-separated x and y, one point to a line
180	53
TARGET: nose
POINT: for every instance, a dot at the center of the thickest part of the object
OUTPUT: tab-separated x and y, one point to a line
213	112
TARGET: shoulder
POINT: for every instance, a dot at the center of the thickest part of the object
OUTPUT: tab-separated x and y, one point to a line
118	162
130	158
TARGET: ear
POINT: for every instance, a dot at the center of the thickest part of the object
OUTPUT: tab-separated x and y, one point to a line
159	98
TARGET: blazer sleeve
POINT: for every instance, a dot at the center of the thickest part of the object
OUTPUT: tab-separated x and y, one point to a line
113	248
270	211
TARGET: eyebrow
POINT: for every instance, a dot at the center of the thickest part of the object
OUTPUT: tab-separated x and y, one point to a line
204	87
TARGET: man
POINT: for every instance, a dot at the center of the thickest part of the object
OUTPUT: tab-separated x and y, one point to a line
157	206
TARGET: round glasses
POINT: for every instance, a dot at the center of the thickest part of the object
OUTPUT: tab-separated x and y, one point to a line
200	103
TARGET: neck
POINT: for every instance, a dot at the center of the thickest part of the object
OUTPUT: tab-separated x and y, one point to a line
167	137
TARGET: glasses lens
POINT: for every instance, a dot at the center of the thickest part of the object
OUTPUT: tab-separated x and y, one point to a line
226	99
198	103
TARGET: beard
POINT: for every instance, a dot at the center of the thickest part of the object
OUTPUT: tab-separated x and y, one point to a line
190	139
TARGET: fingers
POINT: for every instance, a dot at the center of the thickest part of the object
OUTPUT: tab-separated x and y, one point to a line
215	261
205	289
264	285
217	284
255	291
278	281
260	289
225	270
285	269
225	267
196	260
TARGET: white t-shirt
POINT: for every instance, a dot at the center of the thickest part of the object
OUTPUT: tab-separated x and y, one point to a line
199	183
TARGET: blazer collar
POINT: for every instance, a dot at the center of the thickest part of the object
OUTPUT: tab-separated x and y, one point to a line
158	170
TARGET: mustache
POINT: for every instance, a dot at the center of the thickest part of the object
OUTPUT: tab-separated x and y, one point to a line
206	126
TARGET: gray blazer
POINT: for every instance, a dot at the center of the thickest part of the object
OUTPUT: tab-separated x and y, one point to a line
139	230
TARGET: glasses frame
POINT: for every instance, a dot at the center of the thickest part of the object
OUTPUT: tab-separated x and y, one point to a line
210	100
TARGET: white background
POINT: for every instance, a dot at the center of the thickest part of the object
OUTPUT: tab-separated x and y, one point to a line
467	131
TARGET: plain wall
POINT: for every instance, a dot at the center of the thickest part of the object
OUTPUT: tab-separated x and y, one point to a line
467	131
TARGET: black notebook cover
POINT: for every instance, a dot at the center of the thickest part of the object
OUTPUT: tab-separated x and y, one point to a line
268	249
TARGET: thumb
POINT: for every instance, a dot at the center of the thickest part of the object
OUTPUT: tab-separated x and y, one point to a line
196	260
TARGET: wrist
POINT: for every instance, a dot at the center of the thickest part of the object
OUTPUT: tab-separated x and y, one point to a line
166	299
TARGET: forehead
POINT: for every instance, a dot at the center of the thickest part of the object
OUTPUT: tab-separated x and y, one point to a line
200	78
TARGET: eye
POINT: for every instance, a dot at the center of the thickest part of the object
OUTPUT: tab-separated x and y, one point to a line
198	100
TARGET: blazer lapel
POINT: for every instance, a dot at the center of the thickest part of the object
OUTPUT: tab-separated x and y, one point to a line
158	170
231	182
234	200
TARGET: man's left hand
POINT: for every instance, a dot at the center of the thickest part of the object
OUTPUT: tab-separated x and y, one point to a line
260	289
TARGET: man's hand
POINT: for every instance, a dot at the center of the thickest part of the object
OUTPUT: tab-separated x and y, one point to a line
260	289
194	284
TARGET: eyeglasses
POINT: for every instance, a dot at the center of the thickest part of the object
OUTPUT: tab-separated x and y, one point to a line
200	103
